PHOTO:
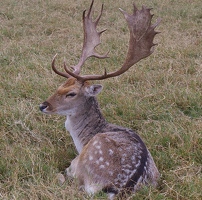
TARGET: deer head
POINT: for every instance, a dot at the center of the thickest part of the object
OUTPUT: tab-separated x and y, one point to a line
69	96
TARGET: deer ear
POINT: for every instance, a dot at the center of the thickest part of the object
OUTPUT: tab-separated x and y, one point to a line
93	90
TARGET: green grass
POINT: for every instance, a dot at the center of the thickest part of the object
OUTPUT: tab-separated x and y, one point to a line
161	97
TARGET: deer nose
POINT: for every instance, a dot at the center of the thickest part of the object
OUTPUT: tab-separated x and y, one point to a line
43	106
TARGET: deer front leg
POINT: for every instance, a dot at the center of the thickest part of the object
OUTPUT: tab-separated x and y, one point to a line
70	172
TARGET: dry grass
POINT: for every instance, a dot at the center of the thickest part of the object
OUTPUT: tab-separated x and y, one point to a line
160	97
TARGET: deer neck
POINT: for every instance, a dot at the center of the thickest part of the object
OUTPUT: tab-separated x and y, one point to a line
85	122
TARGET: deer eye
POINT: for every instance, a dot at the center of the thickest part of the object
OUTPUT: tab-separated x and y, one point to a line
72	94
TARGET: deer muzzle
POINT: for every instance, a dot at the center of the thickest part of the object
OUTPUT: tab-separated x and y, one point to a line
44	106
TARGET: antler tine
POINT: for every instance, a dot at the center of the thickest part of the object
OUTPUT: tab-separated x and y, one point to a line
141	44
56	71
98	18
89	11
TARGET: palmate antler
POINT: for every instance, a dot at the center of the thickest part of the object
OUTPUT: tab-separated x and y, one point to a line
91	40
142	34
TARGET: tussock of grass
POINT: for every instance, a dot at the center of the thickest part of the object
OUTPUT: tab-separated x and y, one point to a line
160	97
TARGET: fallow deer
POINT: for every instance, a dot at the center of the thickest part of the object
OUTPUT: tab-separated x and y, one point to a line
110	158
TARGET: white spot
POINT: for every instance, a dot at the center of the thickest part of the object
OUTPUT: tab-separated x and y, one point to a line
137	165
95	142
140	152
111	152
107	163
98	147
101	159
133	172
111	173
132	157
127	166
100	151
90	157
95	152
127	171
102	167
97	162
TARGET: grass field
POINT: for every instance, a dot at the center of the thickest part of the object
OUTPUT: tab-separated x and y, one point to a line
161	97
